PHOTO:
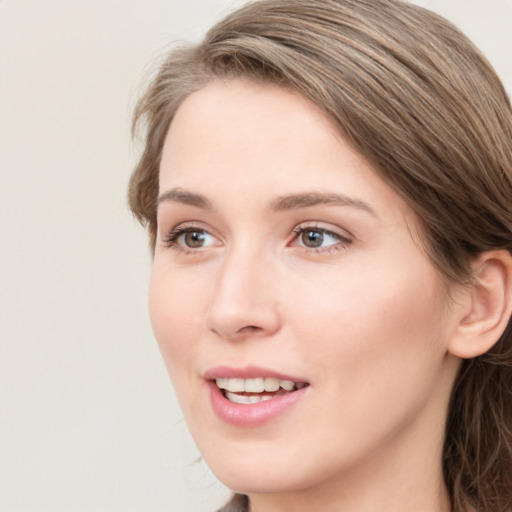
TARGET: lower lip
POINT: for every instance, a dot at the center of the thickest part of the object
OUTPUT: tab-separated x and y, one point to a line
251	415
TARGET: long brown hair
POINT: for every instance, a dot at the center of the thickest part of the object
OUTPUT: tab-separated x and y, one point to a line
415	97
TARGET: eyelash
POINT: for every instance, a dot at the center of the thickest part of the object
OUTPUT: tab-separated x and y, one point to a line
343	241
172	239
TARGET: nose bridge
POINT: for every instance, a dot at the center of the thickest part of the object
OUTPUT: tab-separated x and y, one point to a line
243	301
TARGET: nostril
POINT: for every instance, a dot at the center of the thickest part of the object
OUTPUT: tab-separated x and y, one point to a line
242	318
249	332
249	329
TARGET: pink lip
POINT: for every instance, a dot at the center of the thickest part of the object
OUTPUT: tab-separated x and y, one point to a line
248	372
249	415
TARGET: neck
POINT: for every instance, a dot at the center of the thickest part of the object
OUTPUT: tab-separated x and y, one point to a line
350	500
405	475
370	490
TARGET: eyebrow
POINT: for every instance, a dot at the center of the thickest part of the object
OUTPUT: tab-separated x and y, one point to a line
306	199
282	203
179	195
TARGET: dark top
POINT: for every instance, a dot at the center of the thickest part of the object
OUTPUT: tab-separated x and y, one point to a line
239	503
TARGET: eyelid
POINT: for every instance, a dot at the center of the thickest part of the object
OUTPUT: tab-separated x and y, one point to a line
345	238
171	237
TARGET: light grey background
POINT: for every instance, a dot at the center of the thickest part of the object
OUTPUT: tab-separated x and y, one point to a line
88	420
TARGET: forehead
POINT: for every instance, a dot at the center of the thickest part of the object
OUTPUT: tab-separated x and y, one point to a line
246	139
255	118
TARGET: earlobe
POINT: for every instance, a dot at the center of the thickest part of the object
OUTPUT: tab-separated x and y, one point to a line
489	306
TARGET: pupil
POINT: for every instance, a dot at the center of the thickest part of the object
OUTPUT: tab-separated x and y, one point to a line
312	238
194	238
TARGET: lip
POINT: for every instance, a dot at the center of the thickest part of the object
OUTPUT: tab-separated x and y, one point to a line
247	372
250	415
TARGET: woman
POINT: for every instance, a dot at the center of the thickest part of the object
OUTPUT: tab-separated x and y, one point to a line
326	185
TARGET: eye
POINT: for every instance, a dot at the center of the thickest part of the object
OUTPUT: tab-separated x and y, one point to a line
194	239
190	238
314	237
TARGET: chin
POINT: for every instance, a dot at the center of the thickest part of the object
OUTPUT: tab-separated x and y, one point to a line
263	470
259	481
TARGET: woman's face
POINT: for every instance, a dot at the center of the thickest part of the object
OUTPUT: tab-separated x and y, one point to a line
286	269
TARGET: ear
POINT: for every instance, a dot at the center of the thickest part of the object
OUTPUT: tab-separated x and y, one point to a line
486	307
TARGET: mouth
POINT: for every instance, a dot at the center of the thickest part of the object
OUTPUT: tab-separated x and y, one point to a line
255	390
250	396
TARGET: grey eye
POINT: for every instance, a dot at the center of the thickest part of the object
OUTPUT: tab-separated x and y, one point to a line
194	239
315	238
312	238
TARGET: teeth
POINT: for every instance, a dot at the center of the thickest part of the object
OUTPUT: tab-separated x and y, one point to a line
254	385
233	385
243	399
272	384
257	385
287	385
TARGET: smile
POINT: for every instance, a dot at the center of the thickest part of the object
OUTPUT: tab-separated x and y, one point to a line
255	390
253	396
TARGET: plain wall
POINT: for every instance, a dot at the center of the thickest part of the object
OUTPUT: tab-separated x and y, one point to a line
88	419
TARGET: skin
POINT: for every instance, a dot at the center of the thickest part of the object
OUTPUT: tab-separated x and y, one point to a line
364	318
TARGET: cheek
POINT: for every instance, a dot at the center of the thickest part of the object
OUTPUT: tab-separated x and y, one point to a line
176	312
374	327
375	344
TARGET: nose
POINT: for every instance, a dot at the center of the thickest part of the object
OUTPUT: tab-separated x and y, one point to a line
244	303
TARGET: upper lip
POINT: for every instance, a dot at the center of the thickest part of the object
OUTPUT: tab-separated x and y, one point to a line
247	372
